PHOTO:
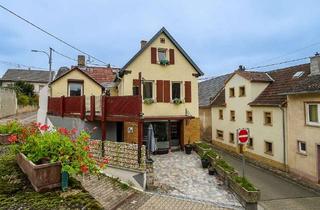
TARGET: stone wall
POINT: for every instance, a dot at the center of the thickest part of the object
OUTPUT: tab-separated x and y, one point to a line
8	102
191	130
130	132
120	154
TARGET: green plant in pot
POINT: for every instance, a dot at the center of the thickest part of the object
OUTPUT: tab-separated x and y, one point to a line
148	101
11	127
204	160
164	62
177	101
188	148
61	146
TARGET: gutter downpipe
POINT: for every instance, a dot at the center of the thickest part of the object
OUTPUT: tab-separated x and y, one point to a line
284	137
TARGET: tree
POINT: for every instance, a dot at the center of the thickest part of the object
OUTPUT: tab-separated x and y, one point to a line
24	88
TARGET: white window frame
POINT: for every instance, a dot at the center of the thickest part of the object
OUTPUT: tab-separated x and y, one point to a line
181	90
299	147
69	83
166	51
307	114
153	89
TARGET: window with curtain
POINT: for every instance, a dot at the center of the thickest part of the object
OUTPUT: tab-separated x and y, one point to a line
176	90
162	54
313	113
147	90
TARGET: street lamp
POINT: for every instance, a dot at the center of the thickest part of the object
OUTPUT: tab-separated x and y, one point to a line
49	57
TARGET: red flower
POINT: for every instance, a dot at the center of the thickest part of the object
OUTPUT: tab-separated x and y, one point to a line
90	155
13	139
84	169
106	161
63	131
86	148
74	131
44	127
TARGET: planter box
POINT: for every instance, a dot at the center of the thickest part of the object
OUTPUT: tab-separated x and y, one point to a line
247	198
42	177
213	160
200	150
223	173
4	138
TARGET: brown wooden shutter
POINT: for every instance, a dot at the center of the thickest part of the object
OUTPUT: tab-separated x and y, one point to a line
159	90
171	56
166	92
187	91
153	55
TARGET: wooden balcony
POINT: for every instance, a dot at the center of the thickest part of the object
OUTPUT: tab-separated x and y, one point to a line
104	108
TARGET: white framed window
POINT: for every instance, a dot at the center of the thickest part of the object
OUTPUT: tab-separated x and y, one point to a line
75	88
148	90
176	90
302	147
162	54
313	114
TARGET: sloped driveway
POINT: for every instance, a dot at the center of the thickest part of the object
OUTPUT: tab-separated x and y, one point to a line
182	175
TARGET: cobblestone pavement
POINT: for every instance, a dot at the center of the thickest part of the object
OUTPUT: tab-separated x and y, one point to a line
182	175
112	196
24	118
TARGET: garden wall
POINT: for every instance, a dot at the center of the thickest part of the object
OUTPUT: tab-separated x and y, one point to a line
8	102
120	154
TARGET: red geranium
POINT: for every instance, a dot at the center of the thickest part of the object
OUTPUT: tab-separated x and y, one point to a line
44	127
13	139
63	131
84	169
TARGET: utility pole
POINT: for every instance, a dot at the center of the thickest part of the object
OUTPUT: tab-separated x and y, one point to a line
50	60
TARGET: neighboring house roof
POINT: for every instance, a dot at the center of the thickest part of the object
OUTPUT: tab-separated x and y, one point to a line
210	88
14	75
104	76
282	81
219	99
162	30
66	72
311	84
252	76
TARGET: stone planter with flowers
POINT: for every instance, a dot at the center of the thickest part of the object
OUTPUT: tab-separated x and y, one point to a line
11	127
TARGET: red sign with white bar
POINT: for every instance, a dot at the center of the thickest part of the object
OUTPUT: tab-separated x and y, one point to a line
243	135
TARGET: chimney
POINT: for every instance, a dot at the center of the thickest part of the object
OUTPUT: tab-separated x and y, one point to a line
81	61
143	43
315	65
242	68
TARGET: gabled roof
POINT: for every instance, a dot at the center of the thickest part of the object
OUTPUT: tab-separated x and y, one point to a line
283	81
162	30
14	75
252	76
311	84
65	72
210	88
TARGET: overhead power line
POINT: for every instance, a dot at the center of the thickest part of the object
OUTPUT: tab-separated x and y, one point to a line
52	35
63	55
275	64
18	65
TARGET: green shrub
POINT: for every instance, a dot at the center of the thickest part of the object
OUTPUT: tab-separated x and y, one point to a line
211	153
225	165
11	127
245	183
23	100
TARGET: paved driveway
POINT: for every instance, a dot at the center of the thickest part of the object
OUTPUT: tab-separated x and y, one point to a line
182	176
276	193
24	118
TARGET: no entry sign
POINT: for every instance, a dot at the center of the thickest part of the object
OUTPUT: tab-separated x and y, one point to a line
243	135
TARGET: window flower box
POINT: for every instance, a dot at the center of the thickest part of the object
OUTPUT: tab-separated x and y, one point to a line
164	62
43	177
177	101
148	101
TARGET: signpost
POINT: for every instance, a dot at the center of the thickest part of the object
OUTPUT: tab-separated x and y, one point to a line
243	136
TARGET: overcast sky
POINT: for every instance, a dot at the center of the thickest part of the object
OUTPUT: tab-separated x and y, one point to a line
219	35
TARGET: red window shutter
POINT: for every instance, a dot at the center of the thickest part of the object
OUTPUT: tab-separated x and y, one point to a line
187	90
159	90
153	55
171	55
166	88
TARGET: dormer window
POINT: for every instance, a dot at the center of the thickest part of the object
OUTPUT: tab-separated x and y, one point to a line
162	40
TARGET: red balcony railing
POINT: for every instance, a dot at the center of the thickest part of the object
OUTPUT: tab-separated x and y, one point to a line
108	108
